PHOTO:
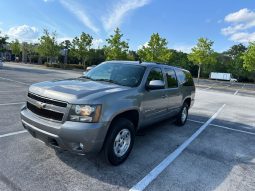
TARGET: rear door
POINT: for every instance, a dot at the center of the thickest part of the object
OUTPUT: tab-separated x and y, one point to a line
173	92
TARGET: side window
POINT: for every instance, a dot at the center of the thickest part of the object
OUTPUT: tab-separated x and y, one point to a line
185	78
171	78
180	76
189	80
155	74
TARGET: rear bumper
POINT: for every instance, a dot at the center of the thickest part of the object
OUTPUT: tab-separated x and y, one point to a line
68	135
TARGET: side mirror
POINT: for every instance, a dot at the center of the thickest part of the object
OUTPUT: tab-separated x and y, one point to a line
84	73
155	85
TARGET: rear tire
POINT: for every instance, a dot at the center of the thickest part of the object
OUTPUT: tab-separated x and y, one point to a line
119	141
183	115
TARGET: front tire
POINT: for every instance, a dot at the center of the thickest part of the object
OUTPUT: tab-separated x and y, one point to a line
183	115
119	141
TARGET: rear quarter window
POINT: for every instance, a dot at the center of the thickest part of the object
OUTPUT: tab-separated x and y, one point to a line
188	79
185	78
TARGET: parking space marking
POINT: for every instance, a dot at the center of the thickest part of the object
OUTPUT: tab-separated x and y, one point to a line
236	92
8	91
209	87
224	127
14	133
7	79
17	103
142	184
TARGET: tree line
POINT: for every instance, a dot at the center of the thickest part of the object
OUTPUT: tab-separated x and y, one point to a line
239	60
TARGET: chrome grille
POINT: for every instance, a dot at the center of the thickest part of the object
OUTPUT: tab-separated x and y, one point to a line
46	100
46	107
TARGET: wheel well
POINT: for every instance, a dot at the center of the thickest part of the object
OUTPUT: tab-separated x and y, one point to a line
132	115
188	101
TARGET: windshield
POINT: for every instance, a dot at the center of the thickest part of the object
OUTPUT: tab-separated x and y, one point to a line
118	73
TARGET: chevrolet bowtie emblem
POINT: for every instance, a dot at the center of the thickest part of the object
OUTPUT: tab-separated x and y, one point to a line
40	105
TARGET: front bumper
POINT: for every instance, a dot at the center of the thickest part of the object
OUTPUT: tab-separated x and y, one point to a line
68	135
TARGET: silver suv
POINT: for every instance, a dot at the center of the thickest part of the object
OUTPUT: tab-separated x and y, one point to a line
104	109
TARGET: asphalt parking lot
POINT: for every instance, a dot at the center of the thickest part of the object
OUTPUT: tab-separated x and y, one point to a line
215	150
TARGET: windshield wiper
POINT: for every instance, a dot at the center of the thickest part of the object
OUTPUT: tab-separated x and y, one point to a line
86	77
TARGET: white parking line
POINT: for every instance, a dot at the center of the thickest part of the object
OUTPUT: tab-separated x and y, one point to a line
224	127
239	90
16	103
141	185
7	79
11	91
207	88
14	133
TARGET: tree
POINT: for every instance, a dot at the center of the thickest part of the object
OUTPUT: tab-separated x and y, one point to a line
249	57
116	48
3	42
66	44
15	48
132	55
156	50
96	56
234	60
28	51
48	46
202	53
81	46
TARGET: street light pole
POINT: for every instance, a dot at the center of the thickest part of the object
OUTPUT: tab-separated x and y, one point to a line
65	57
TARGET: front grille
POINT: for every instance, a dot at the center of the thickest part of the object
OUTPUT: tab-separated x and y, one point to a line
45	100
45	113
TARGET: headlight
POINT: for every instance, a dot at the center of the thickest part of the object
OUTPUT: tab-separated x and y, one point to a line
85	113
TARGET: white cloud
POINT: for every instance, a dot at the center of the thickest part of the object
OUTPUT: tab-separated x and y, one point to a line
46	1
240	23
120	11
237	27
183	48
77	10
143	45
243	15
243	37
61	39
97	43
23	33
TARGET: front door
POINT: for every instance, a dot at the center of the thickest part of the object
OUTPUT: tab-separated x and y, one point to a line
154	103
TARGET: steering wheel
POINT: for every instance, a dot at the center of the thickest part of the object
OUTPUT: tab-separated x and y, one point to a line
130	81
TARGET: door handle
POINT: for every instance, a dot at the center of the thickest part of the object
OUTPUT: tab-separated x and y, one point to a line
164	96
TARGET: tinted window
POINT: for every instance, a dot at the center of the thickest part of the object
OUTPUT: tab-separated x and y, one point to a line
118	73
171	78
189	79
155	74
185	78
180	76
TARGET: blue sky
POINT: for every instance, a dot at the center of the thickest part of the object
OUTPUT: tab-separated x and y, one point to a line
181	22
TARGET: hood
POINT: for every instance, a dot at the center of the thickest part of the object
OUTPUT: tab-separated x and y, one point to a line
71	90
